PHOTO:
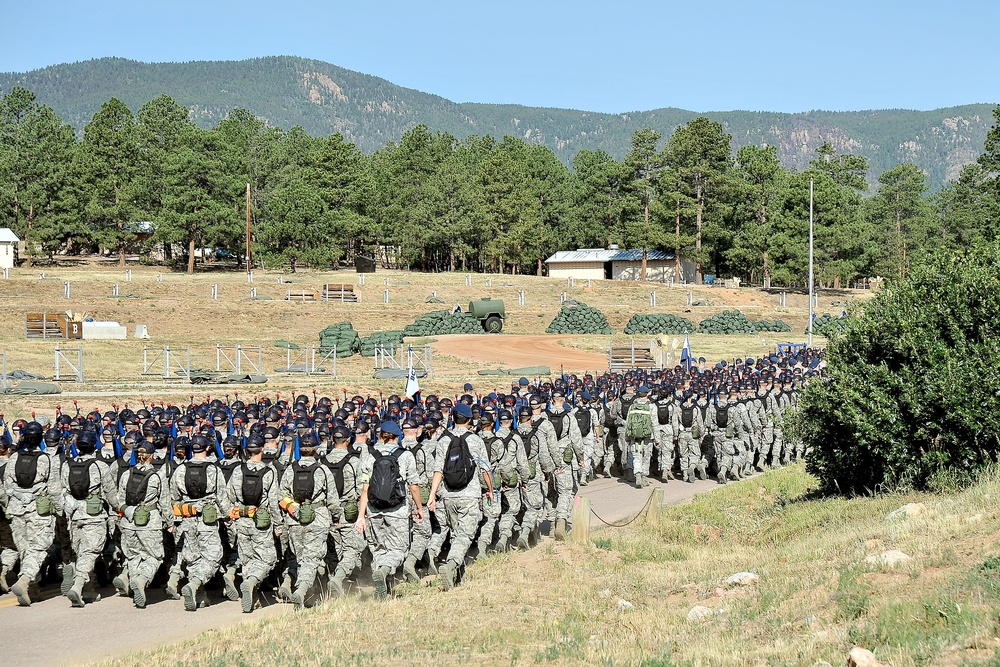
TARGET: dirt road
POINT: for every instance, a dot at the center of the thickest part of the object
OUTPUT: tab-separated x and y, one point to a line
50	632
518	351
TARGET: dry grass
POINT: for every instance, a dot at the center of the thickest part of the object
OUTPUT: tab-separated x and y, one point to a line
559	604
179	312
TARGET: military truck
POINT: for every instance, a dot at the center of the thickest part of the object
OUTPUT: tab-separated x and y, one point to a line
490	313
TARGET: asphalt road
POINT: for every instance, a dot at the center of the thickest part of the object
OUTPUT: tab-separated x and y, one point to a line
50	632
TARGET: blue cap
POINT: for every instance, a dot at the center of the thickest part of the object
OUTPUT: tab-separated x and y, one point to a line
464	410
468	386
523	382
586	395
643	390
391	428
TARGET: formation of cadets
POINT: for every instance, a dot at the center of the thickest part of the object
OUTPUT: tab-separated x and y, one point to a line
297	495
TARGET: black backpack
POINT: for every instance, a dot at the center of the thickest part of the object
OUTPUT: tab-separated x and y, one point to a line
338	472
722	417
459	468
137	485
79	478
583	419
663	412
253	484
558	422
196	480
627	404
303	481
386	488
26	468
687	416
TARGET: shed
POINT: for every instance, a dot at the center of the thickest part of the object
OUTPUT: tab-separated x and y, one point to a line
616	264
8	248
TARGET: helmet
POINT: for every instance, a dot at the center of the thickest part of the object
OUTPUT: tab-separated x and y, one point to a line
31	435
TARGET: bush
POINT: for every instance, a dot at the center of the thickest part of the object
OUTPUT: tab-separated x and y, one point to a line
911	387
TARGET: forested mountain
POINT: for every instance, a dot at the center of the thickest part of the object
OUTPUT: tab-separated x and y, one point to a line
369	112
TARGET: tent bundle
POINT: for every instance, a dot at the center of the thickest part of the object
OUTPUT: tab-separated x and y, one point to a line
443	322
735	322
387	340
828	325
340	337
579	318
663	323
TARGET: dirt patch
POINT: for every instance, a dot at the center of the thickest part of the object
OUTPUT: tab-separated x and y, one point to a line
516	351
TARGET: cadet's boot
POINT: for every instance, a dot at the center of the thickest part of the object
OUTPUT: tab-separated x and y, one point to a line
121	584
299	598
432	567
171	588
202	597
483	546
90	594
247	588
229	580
447	572
560	530
190	594
410	569
702	472
379	578
522	540
20	591
336	585
4	586
138	586
638	482
75	592
285	589
68	578
536	535
607	469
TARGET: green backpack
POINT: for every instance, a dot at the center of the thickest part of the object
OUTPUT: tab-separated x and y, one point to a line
639	423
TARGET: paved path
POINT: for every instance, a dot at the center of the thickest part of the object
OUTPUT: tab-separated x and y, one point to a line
51	632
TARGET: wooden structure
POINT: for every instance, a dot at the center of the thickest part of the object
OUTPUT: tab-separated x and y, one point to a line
337	292
300	295
47	325
632	355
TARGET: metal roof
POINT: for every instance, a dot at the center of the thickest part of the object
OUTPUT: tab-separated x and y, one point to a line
600	255
7	236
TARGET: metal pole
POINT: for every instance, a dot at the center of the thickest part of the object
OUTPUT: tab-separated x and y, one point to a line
810	261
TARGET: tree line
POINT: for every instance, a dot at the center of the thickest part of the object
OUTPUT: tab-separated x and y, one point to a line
436	202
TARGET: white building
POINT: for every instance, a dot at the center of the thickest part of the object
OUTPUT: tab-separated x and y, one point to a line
615	264
8	248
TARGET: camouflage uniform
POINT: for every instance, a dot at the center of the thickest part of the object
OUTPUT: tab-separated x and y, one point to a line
255	547
87	477
688	425
461	506
421	529
539	439
200	543
390	528
348	544
510	474
568	445
142	546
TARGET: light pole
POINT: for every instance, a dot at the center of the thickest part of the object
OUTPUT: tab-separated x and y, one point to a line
810	329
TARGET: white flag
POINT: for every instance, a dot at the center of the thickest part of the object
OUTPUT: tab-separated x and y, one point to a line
412	386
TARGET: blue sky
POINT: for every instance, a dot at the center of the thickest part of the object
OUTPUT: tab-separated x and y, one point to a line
711	55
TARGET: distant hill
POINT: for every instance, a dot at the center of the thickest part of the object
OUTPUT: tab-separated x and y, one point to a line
369	111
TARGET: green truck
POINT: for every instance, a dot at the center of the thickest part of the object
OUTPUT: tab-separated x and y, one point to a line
490	313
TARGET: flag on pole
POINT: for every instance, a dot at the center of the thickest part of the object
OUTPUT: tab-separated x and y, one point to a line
686	357
412	386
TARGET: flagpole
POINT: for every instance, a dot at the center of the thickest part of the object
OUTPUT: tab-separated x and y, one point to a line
810	261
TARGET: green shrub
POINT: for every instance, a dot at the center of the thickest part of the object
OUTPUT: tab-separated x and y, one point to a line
911	387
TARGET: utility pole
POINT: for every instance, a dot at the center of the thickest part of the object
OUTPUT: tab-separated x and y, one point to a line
810	260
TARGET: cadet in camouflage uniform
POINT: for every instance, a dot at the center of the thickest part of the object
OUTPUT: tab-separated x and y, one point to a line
252	493
309	502
197	490
640	449
689	428
461	505
348	544
421	530
619	410
588	421
388	525
569	444
439	527
726	429
663	434
510	474
144	497
90	490
489	506
539	438
34	496
8	551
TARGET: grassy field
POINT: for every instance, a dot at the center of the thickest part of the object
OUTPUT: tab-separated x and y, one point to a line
624	599
179	312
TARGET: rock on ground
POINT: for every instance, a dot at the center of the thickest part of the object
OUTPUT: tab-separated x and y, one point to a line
889	558
742	579
906	511
861	657
698	613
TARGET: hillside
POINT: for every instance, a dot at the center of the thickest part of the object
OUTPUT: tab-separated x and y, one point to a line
369	111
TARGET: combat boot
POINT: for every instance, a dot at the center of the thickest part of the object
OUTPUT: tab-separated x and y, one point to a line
285	589
607	470
122	586
299	598
380	578
171	588
138	586
90	594
247	589
410	569
20	591
560	530
75	592
336	584
68	578
447	572
229	581
482	546
190	593
432	567
702	473
638	482
4	586
522	540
